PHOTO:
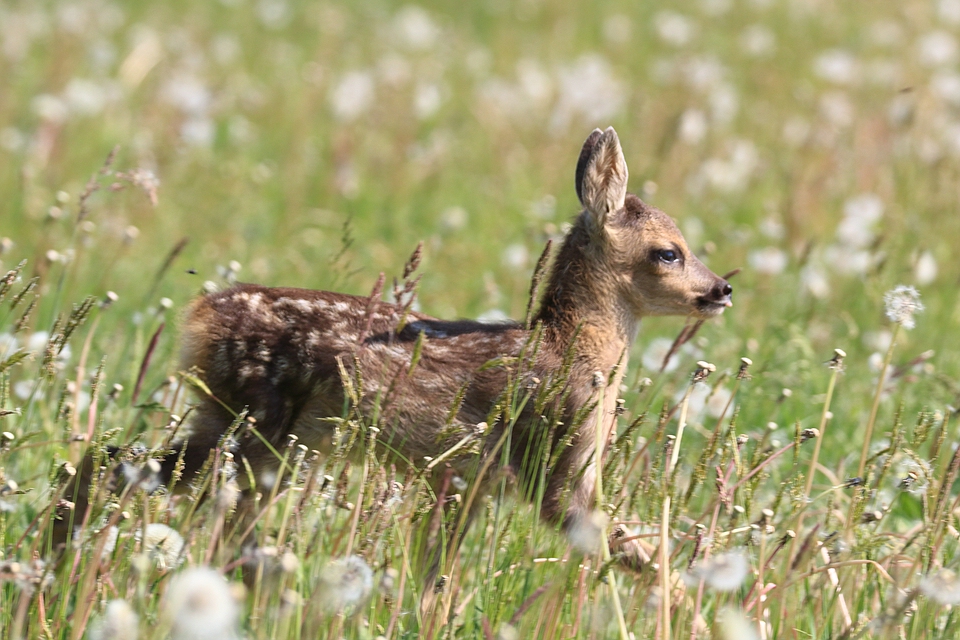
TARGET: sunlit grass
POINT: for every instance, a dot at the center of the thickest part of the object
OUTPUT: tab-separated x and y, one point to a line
314	145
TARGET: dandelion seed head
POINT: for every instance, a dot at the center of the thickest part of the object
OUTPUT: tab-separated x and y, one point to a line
836	66
757	40
937	48
200	605
353	95
725	571
415	28
674	28
901	304
119	622
345	583
925	271
943	587
733	625
588	534
769	260
163	544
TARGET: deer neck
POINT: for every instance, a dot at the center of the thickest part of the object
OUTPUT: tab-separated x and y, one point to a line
582	302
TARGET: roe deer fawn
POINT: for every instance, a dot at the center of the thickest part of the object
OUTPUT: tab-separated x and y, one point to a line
284	354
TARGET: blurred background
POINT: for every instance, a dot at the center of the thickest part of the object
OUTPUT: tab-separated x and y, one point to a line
814	144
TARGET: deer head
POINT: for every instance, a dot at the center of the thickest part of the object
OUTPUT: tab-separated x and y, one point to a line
640	246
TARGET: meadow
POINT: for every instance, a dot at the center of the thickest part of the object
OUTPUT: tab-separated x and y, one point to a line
152	151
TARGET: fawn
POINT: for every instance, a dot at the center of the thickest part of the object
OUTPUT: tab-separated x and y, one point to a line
285	353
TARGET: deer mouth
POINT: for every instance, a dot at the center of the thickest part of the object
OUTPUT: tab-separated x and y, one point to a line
709	307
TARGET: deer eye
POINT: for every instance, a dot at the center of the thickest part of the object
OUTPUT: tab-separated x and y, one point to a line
668	256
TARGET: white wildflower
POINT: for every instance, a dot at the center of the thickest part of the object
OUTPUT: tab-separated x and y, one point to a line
837	66
545	208
427	100
353	95
943	587
8	344
860	214
12	139
949	11
588	534
163	544
769	260
23	388
588	92
199	606
454	218
697	402
925	271
515	256
715	7
86	97
718	401
725	571
731	174
733	625
724	103
901	304
274	14
654	354
879	340
188	93
703	72
534	82
37	342
757	40
674	28
772	227
118	622
850	261
937	48
345	583
50	108
198	132
836	108
693	126
415	28
947	86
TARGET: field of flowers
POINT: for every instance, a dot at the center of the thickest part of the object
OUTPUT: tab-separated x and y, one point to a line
151	151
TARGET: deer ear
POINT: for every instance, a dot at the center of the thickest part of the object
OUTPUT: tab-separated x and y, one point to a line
602	174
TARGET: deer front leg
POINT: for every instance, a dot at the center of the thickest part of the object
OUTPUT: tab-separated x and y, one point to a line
631	553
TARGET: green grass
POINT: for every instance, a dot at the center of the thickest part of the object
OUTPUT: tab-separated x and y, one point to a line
276	181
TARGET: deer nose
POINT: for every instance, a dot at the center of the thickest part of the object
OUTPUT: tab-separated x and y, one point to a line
721	293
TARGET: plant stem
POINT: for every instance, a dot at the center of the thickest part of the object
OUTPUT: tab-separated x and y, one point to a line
665	521
605	545
871	421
